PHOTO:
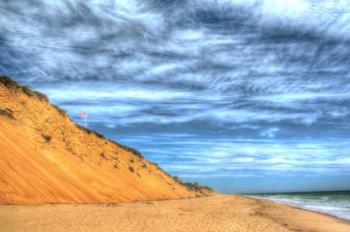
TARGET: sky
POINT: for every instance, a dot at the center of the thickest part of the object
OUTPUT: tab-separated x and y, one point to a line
245	96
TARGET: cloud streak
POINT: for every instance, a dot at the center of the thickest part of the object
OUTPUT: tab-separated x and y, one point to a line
235	69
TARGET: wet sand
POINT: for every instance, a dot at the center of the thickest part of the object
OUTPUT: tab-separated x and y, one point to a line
215	213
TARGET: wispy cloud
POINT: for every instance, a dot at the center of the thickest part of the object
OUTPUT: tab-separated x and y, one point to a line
223	79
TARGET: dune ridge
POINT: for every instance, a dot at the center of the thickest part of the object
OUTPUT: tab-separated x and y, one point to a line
46	158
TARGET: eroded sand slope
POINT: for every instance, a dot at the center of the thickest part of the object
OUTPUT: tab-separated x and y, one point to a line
46	158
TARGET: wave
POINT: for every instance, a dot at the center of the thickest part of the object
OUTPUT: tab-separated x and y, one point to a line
331	203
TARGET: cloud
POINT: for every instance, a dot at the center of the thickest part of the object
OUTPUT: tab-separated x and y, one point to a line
235	157
270	133
238	74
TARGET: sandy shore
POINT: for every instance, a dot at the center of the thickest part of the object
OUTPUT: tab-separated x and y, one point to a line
216	213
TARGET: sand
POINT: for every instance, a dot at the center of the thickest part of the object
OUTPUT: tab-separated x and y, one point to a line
46	158
215	213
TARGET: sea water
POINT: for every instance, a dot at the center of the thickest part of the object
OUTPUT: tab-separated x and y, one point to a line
331	203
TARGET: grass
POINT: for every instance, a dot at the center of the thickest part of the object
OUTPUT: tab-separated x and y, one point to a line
124	147
60	111
193	186
129	149
88	131
7	113
11	84
196	187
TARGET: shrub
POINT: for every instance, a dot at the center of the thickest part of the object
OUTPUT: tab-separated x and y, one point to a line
193	186
124	147
31	93
103	155
47	138
11	84
88	131
177	179
129	149
132	161
7	113
60	111
131	169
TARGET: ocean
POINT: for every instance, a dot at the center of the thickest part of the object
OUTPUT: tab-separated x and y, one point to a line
331	203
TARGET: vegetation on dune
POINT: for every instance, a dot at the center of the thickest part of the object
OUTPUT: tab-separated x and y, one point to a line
129	149
47	138
103	155
11	84
60	111
54	129
124	147
88	131
7	113
195	187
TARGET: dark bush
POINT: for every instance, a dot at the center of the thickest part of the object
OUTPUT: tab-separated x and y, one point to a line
177	179
124	147
193	186
88	131
11	84
47	138
7	113
60	111
103	155
129	149
131	169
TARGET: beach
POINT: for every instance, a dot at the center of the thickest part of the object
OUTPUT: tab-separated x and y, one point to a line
214	213
335	203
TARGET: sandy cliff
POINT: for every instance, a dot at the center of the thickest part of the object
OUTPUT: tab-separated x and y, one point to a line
46	158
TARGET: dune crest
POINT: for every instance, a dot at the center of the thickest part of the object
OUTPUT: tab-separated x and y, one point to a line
46	158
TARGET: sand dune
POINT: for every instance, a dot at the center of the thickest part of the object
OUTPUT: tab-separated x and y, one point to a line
217	213
46	158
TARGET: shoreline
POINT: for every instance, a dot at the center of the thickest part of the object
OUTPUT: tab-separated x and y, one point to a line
212	213
299	208
309	212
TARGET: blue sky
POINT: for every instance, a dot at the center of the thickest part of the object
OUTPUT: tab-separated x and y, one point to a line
245	96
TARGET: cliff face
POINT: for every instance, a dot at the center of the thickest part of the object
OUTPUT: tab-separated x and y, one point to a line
46	158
